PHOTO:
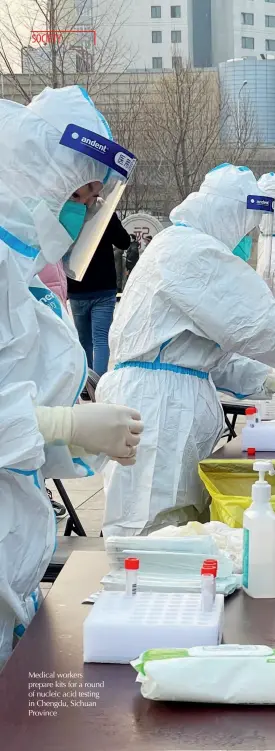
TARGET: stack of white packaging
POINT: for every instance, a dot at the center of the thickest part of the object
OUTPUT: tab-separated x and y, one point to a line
168	564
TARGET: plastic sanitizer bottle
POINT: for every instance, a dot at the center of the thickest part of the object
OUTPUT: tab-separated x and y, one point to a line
259	538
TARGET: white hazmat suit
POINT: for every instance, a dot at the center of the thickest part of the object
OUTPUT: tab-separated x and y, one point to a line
266	241
42	363
191	315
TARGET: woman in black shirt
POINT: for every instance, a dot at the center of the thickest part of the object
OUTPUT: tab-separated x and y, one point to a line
93	300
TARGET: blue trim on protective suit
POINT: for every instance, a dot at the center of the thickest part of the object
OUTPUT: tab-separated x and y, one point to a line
238	396
227	164
83	464
13	242
19	630
27	473
35	601
219	166
182	224
165	344
156	365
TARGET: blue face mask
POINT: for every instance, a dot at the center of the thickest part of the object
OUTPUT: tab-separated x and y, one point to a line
243	250
72	217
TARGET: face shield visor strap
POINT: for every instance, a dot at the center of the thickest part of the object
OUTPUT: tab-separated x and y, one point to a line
265	205
120	164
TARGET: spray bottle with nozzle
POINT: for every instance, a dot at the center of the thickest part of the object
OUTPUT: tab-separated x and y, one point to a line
259	538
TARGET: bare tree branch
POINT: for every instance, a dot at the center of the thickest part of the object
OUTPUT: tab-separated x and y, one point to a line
190	128
75	53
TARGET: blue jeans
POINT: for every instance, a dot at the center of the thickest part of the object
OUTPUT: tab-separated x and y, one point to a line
93	318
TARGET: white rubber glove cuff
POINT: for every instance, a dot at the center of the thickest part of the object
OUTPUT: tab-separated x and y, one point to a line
269	384
55	423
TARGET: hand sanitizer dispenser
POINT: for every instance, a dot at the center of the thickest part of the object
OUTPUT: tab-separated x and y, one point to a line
259	538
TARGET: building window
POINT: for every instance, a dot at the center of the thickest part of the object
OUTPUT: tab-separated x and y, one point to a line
270	21
157	63
83	61
155	11
248	43
175	11
156	37
176	37
177	62
248	19
270	45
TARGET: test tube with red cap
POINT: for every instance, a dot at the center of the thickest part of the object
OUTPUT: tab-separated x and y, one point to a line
131	566
251	417
208	584
212	564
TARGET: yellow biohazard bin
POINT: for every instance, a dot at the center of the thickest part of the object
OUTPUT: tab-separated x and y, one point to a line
229	485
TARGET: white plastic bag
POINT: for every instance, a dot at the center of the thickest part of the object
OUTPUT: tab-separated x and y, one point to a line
229	541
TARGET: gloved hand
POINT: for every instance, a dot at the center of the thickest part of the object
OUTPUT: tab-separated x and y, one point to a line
97	428
110	429
269	384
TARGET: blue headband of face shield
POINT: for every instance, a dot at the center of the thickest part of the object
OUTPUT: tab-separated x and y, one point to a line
114	156
265	204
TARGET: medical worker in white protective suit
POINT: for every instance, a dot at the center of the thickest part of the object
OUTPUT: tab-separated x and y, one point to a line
56	155
191	315
266	250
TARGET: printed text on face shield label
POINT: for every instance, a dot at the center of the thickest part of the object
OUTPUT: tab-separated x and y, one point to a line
49	694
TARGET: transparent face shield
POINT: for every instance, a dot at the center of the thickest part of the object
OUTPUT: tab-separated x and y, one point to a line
79	256
120	164
265	264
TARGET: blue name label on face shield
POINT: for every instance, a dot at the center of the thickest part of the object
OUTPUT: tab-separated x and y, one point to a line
92	144
260	203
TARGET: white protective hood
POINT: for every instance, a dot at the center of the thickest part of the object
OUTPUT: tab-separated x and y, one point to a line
38	168
219	208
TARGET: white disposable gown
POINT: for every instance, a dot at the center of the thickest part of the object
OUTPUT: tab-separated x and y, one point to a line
41	360
197	312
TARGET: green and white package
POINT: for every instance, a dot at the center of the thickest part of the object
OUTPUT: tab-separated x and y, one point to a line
226	674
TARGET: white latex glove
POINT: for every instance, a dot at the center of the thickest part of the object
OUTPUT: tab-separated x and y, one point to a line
269	384
97	428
